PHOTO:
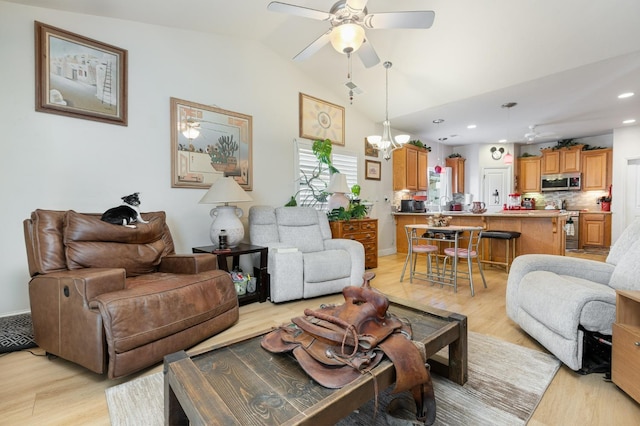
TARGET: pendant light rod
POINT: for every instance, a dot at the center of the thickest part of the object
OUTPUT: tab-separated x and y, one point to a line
387	143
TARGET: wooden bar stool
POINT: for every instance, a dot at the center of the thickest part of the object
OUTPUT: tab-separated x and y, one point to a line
507	236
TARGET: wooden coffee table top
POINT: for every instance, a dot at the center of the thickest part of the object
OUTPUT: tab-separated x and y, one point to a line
242	383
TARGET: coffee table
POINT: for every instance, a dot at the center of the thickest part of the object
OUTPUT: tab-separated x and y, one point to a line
241	383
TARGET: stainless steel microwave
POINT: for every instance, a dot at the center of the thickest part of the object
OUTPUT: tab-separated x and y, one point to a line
561	182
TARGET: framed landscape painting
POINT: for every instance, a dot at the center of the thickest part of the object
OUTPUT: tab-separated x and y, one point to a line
321	120
207	143
80	77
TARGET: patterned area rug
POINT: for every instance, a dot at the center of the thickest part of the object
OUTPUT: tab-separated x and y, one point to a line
506	383
16	333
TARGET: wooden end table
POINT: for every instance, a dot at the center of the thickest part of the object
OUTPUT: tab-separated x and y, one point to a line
262	284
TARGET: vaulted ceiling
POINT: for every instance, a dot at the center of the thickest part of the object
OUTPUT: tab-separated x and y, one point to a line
564	62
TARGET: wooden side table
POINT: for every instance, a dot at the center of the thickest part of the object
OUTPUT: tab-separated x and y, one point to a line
262	284
625	354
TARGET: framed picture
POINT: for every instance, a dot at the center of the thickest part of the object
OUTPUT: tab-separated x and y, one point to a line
80	77
207	143
369	149
372	169
321	120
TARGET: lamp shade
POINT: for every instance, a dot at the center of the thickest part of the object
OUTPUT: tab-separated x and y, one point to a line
347	38
508	158
226	218
225	190
338	184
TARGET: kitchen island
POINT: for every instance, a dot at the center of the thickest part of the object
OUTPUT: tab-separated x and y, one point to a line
542	231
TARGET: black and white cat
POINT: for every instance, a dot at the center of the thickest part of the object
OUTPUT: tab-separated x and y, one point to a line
127	214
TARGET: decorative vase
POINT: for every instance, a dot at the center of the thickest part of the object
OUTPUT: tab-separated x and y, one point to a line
227	218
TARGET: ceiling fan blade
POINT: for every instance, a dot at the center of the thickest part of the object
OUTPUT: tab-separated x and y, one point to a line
357	5
417	19
367	54
305	12
313	47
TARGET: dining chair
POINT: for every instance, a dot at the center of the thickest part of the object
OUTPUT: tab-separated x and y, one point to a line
418	244
469	253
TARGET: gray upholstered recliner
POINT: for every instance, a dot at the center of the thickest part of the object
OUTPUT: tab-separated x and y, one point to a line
304	261
550	296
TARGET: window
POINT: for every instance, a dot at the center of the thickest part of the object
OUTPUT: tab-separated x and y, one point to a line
311	185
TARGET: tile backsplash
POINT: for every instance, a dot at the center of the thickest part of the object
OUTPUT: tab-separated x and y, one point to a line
576	200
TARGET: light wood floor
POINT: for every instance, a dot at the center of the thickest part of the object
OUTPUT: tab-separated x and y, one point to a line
35	390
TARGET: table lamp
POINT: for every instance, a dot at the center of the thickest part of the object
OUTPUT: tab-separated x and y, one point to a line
226	190
338	187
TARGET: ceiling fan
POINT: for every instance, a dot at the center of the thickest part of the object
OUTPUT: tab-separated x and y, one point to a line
349	19
532	135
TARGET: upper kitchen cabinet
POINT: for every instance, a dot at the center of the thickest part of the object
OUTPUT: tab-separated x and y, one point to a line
410	168
457	173
562	160
529	174
596	169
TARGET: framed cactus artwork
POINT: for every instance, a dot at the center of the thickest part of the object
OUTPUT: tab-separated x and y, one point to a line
207	143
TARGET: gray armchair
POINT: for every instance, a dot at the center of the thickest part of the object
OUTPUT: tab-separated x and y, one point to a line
304	261
549	296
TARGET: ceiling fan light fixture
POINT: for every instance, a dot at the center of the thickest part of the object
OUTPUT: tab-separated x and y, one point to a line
347	37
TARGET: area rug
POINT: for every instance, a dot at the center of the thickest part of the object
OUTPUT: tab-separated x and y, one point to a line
16	333
506	383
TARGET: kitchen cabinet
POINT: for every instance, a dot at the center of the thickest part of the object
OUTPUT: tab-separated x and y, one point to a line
457	173
563	160
596	169
595	230
529	174
625	351
363	230
410	168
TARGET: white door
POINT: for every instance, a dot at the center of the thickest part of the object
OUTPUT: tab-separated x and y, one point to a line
495	187
632	192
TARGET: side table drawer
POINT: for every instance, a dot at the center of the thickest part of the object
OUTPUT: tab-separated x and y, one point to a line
625	359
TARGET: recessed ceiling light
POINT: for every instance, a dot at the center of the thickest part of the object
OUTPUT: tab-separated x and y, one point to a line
630	121
502	141
438	121
625	95
471	126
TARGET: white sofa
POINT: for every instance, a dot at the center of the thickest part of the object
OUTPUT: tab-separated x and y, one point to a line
304	261
550	296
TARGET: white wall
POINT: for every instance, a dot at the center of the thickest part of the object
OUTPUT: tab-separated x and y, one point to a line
626	146
56	162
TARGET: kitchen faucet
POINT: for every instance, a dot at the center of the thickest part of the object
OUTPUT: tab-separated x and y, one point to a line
443	200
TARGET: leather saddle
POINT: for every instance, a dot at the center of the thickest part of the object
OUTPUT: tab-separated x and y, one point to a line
336	344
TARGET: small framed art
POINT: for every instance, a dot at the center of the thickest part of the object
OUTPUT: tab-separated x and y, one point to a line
372	169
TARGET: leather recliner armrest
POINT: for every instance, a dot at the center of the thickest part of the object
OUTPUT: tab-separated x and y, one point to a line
87	282
188	263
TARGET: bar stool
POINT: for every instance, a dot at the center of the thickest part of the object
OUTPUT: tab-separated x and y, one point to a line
469	253
417	244
507	236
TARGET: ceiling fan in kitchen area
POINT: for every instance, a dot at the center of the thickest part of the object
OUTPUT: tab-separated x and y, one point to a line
533	135
348	20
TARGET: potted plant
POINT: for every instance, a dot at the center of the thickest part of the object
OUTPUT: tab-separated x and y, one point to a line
313	182
419	144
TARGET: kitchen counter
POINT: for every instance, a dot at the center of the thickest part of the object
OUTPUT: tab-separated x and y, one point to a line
542	231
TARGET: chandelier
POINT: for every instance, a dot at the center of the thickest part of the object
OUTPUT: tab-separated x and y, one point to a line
387	143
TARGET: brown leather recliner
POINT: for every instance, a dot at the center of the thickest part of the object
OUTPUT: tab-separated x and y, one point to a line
115	299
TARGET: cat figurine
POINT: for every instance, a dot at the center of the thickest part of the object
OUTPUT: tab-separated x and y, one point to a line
127	214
